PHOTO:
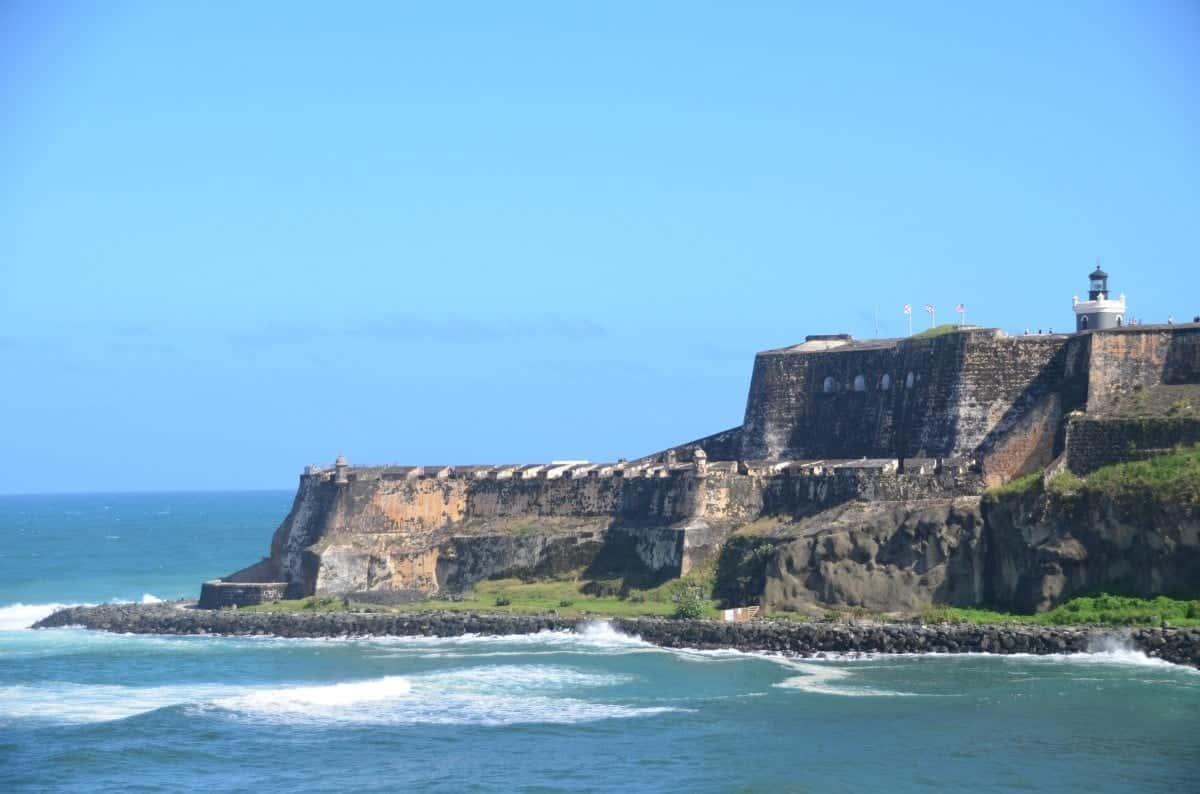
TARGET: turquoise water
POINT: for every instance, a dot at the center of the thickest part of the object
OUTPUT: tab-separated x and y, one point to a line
591	711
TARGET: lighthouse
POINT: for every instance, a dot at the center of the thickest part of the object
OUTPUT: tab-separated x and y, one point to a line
1099	311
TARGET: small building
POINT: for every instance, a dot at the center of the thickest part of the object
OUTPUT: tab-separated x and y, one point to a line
1099	311
739	614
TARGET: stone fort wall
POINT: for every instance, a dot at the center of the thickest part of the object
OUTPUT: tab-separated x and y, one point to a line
1130	359
826	422
957	395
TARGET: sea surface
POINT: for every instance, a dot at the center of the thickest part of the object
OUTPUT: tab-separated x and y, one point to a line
593	711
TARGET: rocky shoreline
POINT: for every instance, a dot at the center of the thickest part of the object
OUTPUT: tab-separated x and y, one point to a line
1179	646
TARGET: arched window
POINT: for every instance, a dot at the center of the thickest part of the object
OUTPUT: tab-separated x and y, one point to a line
828	387
1120	321
1083	323
860	383
885	382
909	380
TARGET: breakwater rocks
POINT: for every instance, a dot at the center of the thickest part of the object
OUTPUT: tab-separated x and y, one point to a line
1180	646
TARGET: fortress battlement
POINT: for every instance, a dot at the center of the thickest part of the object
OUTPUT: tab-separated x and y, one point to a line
829	421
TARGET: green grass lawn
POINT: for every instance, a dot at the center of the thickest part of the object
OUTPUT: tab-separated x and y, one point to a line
513	596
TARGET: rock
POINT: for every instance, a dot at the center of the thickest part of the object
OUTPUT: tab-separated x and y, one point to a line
1178	646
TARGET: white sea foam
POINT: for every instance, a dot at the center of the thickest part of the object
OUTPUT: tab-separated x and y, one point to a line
306	700
826	680
73	702
21	616
1108	651
594	638
147	598
487	695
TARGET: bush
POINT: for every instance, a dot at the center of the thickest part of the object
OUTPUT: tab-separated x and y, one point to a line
503	600
565	603
688	603
636	597
741	574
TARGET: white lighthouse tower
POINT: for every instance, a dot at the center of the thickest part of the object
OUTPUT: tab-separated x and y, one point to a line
1099	311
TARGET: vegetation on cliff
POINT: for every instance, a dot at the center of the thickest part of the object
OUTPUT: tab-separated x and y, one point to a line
1169	479
1173	478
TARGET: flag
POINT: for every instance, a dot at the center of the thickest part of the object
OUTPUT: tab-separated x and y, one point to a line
960	308
929	308
908	308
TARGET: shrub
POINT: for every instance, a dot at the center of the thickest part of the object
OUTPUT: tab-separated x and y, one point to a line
503	600
688	603
565	603
636	597
741	572
1065	483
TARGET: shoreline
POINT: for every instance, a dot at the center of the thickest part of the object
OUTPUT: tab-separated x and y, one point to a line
1178	646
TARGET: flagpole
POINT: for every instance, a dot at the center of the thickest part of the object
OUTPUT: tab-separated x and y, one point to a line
910	323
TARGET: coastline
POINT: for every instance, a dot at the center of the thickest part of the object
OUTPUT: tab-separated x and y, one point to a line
1178	646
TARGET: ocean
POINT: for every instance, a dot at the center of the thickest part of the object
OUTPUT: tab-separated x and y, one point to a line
591	711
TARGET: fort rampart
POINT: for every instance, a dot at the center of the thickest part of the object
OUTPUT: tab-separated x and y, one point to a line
827	422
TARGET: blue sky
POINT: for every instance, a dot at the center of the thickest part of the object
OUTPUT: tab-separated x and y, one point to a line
239	238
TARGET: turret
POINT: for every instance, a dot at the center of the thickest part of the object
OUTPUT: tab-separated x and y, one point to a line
1099	311
340	470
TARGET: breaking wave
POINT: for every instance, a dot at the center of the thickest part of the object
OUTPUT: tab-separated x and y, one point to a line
486	696
15	617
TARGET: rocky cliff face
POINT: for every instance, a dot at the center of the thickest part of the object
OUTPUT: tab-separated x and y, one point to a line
882	556
1045	549
1023	552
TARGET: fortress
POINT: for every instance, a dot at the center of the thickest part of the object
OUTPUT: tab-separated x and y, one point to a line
835	430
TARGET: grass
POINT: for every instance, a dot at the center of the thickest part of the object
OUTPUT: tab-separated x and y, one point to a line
1170	478
1030	483
1103	610
1173	478
517	597
937	330
565	598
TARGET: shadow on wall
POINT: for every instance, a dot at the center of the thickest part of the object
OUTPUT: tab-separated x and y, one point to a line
1032	431
1182	364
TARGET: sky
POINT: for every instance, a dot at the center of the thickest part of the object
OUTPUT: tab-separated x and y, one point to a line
236	239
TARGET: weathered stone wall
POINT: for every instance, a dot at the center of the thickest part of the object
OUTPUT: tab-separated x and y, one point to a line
800	489
1094	443
1013	396
790	413
218	594
726	445
971	393
1139	357
539	496
1183	356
